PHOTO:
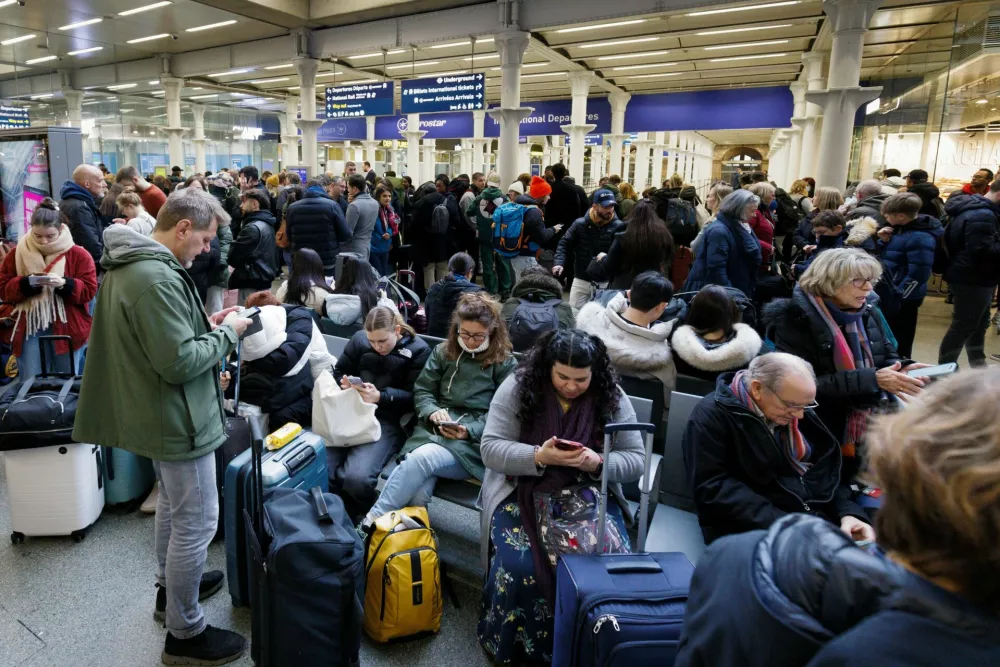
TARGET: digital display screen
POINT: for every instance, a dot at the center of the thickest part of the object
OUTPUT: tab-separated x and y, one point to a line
24	182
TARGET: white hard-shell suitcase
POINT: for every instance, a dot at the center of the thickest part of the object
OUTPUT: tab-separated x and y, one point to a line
56	490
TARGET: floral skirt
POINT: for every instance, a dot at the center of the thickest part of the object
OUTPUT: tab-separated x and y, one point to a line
515	620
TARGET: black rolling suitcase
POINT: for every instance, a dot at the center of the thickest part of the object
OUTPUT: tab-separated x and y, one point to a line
237	441
307	576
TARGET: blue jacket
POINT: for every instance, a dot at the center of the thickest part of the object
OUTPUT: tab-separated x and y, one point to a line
852	237
380	244
317	222
973	241
729	255
908	257
85	222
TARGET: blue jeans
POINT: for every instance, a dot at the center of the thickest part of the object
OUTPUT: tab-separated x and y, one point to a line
380	262
412	482
30	361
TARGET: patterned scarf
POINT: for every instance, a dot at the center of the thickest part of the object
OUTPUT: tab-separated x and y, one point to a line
795	447
851	351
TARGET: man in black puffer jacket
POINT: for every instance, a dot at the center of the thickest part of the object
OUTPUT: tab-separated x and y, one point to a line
443	295
78	200
318	223
254	254
584	240
972	239
773	598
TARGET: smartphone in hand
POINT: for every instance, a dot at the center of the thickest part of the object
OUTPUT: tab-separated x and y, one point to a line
567	445
355	380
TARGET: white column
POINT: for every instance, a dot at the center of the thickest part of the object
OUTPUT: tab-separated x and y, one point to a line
480	156
776	157
429	148
656	174
813	74
642	145
289	133
199	138
843	96
370	144
413	134
74	116
511	44
793	167
579	83
309	124
619	100
172	94
596	163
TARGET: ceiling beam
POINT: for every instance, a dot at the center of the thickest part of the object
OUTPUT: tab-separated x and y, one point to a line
539	48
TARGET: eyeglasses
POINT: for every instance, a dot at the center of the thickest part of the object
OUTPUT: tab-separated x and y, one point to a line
476	338
791	407
861	282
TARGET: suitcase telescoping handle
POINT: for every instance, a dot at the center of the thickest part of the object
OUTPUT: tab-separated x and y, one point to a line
42	340
610	430
256	463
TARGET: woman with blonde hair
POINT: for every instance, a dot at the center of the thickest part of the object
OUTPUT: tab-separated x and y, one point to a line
706	213
799	192
629	199
129	205
762	222
451	397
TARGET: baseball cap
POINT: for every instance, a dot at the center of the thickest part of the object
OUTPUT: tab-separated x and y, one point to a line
604	197
917	176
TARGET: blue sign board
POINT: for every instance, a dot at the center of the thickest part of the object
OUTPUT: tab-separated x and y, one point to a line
346	129
360	99
457	92
12	118
589	140
729	109
549	115
437	126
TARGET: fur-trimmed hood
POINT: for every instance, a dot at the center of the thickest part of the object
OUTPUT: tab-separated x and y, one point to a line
633	349
859	231
734	353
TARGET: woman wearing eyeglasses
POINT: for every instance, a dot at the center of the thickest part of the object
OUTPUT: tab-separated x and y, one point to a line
832	322
451	397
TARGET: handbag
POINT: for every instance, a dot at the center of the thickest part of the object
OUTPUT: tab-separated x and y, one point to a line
281	237
568	523
340	417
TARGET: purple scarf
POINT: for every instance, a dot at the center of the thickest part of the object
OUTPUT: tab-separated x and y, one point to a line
578	424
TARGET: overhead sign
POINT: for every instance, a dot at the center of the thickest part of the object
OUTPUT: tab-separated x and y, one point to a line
589	140
458	92
360	99
247	133
12	118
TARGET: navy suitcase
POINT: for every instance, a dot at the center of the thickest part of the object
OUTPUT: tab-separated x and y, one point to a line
620	610
301	464
307	574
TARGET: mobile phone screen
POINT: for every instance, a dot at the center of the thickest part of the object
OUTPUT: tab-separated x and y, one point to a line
567	445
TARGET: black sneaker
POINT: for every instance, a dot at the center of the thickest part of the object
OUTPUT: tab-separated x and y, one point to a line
211	583
214	646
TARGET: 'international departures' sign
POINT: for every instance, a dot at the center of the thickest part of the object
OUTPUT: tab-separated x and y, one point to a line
459	92
12	118
360	99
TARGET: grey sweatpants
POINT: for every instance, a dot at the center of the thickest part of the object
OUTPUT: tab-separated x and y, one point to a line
186	518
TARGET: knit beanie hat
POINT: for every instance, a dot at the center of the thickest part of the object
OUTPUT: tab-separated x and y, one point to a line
493	180
539	188
517	187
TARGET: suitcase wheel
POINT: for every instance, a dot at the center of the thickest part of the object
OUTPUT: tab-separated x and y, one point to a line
78	535
17	538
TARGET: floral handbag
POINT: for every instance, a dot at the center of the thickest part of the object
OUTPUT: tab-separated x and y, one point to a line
567	522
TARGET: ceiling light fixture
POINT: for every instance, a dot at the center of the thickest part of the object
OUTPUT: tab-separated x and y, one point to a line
328	74
125	110
728	31
41	97
538	76
746	45
617	42
80	24
15	40
211	25
451	44
361	81
709	12
377	53
137	40
275	80
482	57
122	86
39	60
628	67
80	52
641	54
231	72
153	83
4	3
425	63
981	100
155	5
203	97
452	73
497	69
600	26
280	66
653	76
765	55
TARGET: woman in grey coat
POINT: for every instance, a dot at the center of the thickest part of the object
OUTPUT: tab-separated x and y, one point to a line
564	391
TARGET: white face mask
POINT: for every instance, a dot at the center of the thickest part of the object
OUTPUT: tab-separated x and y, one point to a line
482	348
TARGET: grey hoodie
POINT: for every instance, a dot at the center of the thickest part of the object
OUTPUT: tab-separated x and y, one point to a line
362	215
121	241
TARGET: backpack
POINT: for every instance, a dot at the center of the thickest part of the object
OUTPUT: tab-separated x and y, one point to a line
789	214
681	220
508	229
403	587
942	256
530	320
440	219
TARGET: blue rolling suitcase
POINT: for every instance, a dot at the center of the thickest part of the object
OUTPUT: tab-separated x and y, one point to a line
301	464
620	610
127	477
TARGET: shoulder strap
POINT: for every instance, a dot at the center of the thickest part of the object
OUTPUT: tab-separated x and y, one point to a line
24	389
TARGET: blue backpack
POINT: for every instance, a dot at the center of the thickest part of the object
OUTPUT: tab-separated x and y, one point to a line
508	229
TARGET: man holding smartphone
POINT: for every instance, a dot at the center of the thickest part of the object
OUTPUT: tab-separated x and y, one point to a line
151	388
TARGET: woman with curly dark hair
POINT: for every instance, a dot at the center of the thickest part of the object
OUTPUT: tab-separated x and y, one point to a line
645	245
542	446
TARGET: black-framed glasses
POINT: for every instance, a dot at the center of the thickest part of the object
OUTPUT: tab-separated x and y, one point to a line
476	338
790	407
861	282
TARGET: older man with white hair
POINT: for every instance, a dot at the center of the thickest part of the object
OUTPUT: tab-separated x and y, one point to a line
755	451
869	197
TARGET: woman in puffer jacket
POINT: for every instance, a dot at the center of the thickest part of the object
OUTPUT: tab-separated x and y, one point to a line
276	374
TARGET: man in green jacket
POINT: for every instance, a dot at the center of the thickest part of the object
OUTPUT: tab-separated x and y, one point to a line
498	276
152	387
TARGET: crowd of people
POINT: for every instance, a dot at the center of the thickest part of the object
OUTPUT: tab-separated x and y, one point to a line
799	308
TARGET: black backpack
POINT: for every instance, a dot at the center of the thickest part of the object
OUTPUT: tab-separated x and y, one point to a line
681	220
789	214
440	219
531	319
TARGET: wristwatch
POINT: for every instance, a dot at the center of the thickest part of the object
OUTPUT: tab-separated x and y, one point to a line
539	466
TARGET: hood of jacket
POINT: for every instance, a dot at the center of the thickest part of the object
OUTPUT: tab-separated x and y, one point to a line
263	216
860	230
630	347
527	200
734	353
71	190
926	223
453	288
874	202
124	245
316	192
270	337
960	203
545	286
614	189
343	309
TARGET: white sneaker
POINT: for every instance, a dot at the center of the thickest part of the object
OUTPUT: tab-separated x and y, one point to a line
149	504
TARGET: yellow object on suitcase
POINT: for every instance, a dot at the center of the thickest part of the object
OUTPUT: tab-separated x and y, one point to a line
403	586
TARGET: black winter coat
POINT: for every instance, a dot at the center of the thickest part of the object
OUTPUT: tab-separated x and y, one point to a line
871	207
564	205
619	269
773	598
205	268
432	247
254	254
318	223
85	222
972	238
393	374
584	241
535	231
740	478
441	300
794	326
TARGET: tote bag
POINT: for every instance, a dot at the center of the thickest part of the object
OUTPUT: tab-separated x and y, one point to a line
340	417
